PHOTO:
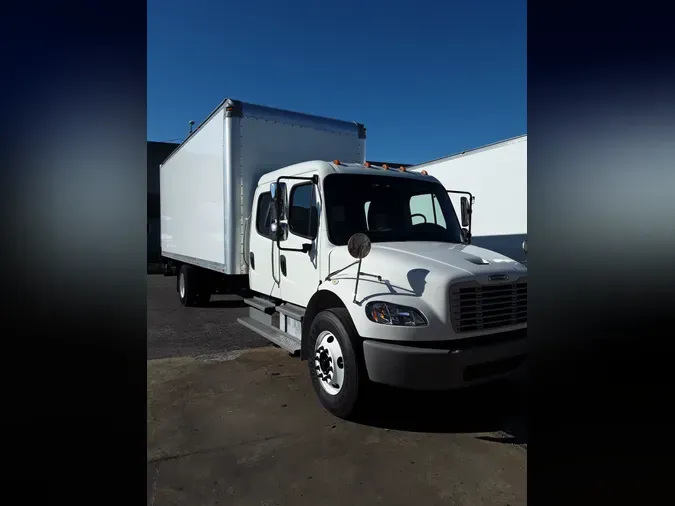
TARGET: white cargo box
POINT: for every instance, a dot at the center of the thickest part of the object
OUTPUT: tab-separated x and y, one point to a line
207	184
496	175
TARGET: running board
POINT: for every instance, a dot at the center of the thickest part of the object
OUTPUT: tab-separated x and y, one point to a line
295	312
281	339
263	305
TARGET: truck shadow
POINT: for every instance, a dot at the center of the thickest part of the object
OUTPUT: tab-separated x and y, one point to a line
498	407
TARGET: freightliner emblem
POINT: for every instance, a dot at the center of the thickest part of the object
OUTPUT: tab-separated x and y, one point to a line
498	277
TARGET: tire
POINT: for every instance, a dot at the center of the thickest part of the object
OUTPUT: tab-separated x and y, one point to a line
344	401
191	288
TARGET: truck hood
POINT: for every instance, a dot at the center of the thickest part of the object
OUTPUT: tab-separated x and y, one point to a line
440	262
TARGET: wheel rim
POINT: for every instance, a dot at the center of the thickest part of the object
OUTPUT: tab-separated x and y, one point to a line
329	363
181	285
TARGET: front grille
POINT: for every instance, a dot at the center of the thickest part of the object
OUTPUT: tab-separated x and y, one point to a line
479	307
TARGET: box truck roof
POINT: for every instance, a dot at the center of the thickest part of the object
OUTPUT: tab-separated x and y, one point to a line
236	108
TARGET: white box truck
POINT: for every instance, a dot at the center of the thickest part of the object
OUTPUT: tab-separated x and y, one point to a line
332	259
496	176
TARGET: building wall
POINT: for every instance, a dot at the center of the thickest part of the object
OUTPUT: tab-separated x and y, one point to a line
157	152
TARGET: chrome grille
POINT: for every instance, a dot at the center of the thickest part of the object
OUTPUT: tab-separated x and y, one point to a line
477	307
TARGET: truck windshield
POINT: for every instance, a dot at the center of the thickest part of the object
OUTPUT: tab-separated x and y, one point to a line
388	209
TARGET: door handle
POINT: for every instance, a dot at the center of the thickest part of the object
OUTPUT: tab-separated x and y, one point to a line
251	258
282	262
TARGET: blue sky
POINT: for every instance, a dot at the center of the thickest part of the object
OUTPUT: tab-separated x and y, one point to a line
427	78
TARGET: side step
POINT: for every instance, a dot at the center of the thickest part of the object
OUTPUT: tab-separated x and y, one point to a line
291	310
281	339
263	305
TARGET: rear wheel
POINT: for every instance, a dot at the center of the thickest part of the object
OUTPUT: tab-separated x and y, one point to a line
337	375
191	288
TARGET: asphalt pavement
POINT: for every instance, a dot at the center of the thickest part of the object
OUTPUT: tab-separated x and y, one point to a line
233	420
177	331
248	430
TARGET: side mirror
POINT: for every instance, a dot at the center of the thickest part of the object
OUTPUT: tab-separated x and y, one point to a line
279	230
278	193
466	236
465	211
359	246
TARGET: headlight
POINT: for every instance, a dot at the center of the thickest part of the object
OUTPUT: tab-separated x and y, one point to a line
393	314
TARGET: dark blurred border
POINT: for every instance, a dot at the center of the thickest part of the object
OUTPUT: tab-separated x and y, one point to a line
601	197
73	207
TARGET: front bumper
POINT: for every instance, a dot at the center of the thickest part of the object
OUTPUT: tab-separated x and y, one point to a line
446	365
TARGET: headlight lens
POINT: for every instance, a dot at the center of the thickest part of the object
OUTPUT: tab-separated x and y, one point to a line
387	313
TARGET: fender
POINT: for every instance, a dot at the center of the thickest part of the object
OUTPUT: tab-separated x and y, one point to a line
339	292
323	299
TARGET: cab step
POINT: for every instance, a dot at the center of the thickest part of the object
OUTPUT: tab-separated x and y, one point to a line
278	337
263	305
291	310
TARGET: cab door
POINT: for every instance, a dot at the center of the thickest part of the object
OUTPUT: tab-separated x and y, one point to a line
300	269
263	254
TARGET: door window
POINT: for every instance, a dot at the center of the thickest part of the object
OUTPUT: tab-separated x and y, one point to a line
303	217
264	215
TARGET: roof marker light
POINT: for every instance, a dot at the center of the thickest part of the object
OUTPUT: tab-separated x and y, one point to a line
401	168
424	172
336	162
385	166
367	164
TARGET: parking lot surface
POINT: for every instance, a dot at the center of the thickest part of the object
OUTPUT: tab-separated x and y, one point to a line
232	420
175	331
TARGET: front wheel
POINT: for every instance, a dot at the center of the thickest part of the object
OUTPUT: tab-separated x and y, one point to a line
337	376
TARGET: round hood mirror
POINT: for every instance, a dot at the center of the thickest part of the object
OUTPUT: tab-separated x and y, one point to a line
525	246
359	246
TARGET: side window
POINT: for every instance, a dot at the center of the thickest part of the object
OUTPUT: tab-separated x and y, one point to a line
303	217
426	209
263	215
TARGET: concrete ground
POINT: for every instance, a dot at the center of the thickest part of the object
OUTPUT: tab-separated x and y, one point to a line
228	424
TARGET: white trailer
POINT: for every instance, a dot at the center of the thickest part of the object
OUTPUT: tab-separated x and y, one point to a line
207	184
496	176
364	270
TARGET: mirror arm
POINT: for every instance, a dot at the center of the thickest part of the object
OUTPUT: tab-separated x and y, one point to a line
334	273
306	248
358	275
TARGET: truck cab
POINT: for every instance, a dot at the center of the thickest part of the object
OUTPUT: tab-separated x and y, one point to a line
369	273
